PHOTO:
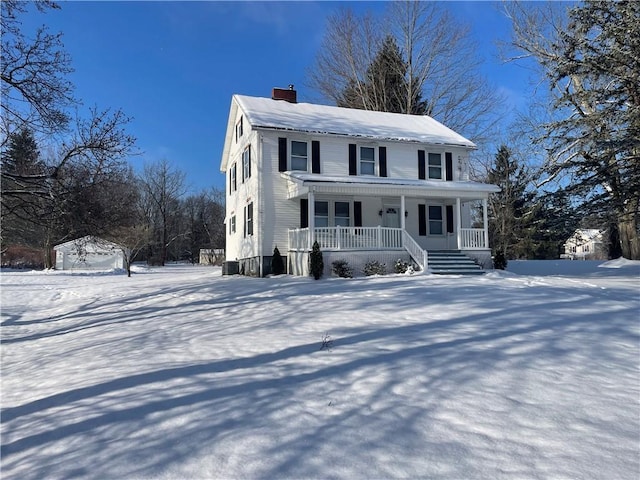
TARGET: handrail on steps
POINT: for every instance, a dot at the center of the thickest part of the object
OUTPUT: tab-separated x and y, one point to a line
419	255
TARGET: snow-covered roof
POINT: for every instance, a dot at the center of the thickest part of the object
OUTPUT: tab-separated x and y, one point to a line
265	113
329	120
586	234
89	243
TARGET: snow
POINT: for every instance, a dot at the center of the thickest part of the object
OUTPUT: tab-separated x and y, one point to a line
181	373
437	185
330	120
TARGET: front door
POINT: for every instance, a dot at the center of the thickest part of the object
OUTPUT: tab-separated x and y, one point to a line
391	216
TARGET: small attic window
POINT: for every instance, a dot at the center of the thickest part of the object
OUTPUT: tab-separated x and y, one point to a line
239	130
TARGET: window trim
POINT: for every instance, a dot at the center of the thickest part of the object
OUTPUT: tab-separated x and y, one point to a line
233	178
232	224
246	163
248	220
430	166
360	160
440	220
291	155
239	129
331	211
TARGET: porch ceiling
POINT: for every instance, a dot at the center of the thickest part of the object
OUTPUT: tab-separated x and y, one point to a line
299	184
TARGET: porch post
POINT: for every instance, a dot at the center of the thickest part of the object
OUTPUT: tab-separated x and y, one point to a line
311	200
485	218
458	223
402	207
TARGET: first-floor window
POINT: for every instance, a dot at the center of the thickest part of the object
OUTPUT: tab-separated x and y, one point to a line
341	214
232	224
321	218
248	224
435	220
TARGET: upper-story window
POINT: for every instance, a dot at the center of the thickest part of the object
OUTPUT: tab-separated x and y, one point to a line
233	186
239	129
367	161
435	165
246	163
299	156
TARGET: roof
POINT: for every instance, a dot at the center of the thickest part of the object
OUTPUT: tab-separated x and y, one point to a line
89	243
265	113
400	186
586	234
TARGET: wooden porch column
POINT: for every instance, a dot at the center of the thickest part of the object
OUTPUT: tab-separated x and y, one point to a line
402	207
459	223
312	217
485	218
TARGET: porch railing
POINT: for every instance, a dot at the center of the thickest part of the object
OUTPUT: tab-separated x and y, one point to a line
348	238
472	238
415	250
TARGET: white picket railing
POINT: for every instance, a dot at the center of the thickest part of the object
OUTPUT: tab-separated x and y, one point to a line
472	238
359	238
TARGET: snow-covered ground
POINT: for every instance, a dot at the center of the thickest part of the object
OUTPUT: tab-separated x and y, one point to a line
180	373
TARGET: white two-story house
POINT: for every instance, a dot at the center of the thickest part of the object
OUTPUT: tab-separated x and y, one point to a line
365	185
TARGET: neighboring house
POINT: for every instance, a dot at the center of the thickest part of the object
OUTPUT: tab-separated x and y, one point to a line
585	244
365	185
89	253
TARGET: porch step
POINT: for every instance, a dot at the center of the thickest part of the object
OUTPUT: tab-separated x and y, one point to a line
452	262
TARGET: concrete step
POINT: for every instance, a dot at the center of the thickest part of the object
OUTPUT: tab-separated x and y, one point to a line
452	262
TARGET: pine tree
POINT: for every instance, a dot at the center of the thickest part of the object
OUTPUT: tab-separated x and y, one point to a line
385	87
593	139
277	265
509	208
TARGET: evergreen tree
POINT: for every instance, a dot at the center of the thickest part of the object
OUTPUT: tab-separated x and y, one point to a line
385	86
508	210
277	264
593	140
316	264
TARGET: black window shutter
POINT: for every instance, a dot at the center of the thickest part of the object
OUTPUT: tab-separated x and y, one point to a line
448	162
449	218
353	166
235	177
383	161
244	228
422	220
249	172
315	156
422	171
250	217
282	154
357	214
304	213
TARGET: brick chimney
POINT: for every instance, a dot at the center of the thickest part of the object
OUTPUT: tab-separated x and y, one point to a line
289	95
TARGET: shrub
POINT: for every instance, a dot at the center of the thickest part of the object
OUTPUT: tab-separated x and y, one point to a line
277	264
374	267
342	269
316	264
499	261
401	266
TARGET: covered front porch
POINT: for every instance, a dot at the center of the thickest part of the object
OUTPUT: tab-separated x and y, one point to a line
372	214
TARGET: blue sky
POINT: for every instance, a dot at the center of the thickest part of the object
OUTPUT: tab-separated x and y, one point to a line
173	66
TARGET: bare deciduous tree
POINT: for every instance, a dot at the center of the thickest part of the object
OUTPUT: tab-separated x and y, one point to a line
442	61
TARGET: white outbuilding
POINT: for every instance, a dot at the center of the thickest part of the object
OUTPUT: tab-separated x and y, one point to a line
89	253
